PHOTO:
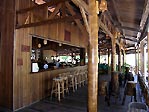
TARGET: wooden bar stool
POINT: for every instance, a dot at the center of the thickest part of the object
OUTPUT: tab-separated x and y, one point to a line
82	82
58	87
86	77
65	78
71	83
76	78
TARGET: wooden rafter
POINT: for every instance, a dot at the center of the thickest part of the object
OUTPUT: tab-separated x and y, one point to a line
63	11
105	28
134	38
50	21
85	19
51	3
128	28
145	15
55	11
130	39
78	22
81	4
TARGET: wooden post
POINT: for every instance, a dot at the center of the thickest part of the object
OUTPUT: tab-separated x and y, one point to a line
124	57
113	63
142	57
136	64
7	24
99	55
138	58
93	58
119	59
148	45
109	69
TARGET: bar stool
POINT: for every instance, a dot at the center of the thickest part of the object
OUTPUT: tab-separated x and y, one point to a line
65	78
58	87
71	82
82	82
76	79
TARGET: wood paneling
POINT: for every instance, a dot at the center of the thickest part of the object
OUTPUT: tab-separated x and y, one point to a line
29	88
7	12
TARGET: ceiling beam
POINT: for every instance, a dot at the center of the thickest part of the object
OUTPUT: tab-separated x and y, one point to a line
134	40
81	4
50	21
130	45
85	20
128	28
78	22
144	15
105	28
63	10
128	35
51	3
55	11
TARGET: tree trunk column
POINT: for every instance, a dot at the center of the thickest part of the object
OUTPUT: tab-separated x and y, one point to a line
93	58
138	58
109	69
124	58
113	63
142	58
148	46
136	64
119	59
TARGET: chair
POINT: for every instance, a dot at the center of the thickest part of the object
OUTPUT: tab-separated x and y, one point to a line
137	107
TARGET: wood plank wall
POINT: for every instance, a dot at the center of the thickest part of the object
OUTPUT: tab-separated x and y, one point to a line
28	87
7	15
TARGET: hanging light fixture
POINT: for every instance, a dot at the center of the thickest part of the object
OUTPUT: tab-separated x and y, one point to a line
39	45
60	44
103	5
44	41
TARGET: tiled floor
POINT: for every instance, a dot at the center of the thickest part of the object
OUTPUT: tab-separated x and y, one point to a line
77	102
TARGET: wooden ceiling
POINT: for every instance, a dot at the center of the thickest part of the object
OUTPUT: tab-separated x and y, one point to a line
127	15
